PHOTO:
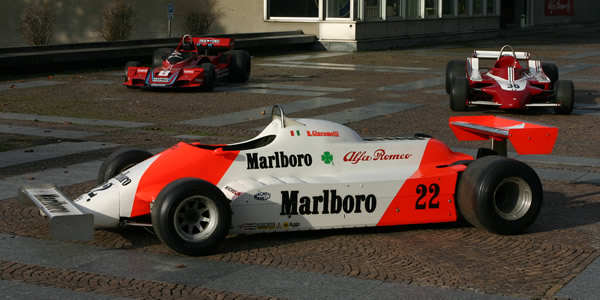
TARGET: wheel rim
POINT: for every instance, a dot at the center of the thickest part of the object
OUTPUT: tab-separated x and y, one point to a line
196	218
512	198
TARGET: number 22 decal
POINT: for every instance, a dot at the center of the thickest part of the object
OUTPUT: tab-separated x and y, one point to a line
422	192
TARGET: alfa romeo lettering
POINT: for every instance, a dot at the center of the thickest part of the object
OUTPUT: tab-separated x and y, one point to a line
278	160
327	203
378	155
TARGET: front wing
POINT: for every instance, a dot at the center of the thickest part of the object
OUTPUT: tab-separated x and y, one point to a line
146	77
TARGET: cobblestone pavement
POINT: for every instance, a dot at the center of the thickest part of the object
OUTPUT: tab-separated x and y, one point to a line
440	260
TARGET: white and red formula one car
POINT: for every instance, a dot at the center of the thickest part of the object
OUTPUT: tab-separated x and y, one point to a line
511	80
304	174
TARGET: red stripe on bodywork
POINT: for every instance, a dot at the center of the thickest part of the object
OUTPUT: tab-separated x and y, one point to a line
180	161
427	196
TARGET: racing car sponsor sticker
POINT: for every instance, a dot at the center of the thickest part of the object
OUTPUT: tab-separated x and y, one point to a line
334	133
233	191
323	133
278	160
258	226
262	196
207	41
269	226
355	157
123	179
327	158
93	193
327	203
52	202
287	225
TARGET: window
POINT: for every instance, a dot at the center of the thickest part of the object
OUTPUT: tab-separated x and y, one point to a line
431	8
372	9
413	8
448	7
463	7
491	7
393	8
293	8
478	7
338	8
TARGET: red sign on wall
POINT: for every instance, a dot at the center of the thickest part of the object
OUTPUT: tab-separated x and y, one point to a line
559	7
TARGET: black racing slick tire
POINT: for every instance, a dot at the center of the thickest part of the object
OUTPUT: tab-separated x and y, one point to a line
565	95
191	216
132	64
159	56
240	66
120	161
551	70
499	194
454	69
209	77
459	94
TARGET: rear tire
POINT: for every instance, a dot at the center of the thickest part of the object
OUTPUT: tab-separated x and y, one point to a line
551	71
209	77
499	194
240	66
191	216
459	94
565	95
454	69
120	161
159	56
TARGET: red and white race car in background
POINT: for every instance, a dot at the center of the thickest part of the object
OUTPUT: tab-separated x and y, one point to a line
197	62
305	174
507	84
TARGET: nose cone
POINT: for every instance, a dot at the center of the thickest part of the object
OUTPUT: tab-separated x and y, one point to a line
102	202
512	99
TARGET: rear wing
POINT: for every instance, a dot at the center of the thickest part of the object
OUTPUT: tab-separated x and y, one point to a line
203	43
496	54
526	138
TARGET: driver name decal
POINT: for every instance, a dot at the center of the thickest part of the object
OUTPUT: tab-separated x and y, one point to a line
355	157
327	203
278	160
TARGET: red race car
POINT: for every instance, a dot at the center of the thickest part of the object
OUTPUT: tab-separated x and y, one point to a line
507	84
197	62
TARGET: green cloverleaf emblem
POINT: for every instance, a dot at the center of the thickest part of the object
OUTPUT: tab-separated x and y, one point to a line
327	158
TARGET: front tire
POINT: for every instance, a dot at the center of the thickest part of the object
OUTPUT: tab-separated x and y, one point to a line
551	70
191	216
119	161
454	69
240	66
208	83
499	194
565	95
459	94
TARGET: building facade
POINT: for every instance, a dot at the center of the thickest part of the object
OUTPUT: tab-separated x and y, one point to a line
341	25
